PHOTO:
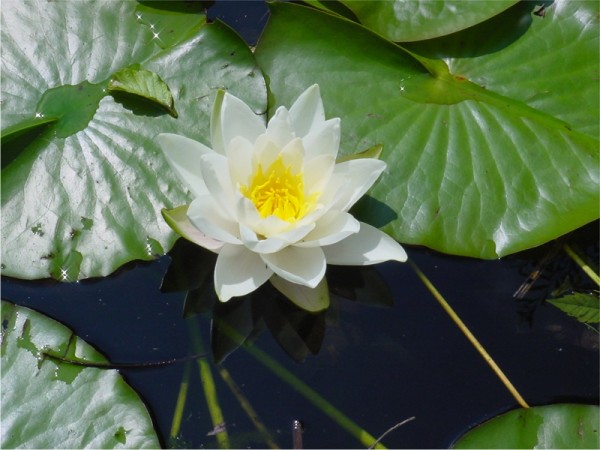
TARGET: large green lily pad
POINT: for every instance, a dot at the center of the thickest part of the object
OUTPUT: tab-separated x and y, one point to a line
414	20
51	404
552	426
82	195
496	155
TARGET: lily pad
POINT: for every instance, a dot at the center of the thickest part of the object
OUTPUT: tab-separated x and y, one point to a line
415	20
105	167
47	403
582	306
475	168
553	426
145	84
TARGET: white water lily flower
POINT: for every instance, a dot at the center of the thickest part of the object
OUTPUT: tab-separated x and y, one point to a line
271	200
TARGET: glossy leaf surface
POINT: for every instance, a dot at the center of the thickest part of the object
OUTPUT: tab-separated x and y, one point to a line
581	306
84	196
144	84
553	426
401	20
51	404
483	161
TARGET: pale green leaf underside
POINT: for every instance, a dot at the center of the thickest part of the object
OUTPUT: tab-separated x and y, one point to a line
83	204
472	170
48	404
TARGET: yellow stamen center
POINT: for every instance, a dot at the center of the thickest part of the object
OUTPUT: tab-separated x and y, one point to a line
277	192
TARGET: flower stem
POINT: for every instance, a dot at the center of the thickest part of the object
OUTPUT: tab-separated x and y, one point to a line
180	405
247	407
581	263
210	391
312	396
463	328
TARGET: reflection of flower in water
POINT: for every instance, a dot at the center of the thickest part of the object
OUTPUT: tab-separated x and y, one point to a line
273	203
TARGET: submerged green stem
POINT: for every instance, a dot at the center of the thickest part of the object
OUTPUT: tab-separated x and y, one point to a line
210	392
463	328
312	396
247	407
581	263
180	405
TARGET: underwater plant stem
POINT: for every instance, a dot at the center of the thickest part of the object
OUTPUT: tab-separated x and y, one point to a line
463	328
398	425
180	405
581	263
247	407
210	392
312	396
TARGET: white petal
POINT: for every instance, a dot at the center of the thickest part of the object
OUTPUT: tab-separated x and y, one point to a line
265	152
293	155
304	266
183	155
360	174
248	215
279	129
215	171
239	156
368	246
275	242
307	111
323	139
332	227
238	272
317	173
180	223
311	299
207	216
231	117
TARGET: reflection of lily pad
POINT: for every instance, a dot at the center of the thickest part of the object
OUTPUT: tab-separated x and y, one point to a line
51	404
473	170
98	160
553	426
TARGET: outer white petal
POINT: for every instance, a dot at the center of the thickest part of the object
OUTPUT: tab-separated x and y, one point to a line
304	266
180	223
323	139
360	175
232	117
215	171
332	227
238	272
279	129
208	217
307	111
183	155
368	246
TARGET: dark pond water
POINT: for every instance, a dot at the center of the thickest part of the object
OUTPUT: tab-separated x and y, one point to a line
377	365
